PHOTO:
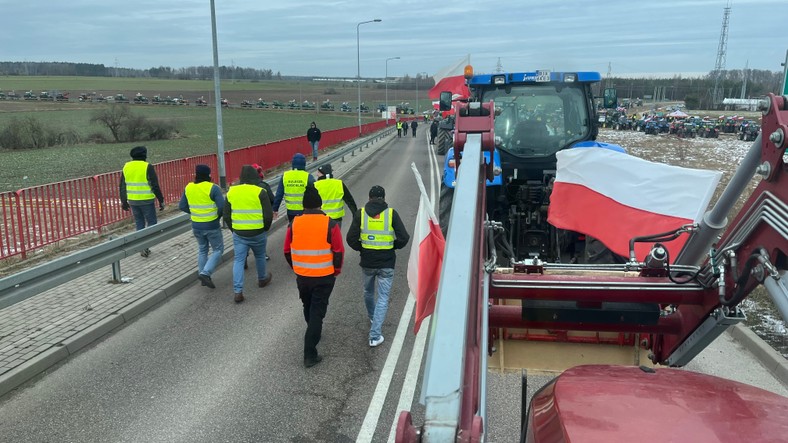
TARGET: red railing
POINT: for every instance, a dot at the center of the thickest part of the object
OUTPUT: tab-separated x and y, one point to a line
42	215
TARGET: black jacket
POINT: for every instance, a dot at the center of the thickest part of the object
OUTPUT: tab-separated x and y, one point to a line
313	135
377	258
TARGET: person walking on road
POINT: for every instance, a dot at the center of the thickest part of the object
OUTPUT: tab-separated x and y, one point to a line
291	188
433	131
249	215
413	126
139	190
313	247
313	135
376	232
399	128
205	202
263	184
334	193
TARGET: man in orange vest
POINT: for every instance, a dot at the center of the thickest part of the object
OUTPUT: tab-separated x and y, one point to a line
314	249
139	190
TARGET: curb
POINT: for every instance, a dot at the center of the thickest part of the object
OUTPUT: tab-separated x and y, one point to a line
769	358
117	320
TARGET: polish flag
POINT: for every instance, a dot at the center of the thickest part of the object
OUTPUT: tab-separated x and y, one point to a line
614	197
426	256
451	78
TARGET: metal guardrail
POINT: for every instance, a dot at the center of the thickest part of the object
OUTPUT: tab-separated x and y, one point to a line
23	285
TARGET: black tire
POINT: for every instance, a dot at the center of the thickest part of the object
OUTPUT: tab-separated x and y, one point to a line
444	208
444	141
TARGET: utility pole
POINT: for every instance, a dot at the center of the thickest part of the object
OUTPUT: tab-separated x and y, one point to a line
722	48
785	74
499	67
744	85
217	102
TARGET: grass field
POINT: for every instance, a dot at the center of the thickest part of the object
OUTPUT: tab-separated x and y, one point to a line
197	125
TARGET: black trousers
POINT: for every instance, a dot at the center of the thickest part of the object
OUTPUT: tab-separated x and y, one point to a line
314	293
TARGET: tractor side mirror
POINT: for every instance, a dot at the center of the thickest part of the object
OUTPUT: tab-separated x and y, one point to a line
445	101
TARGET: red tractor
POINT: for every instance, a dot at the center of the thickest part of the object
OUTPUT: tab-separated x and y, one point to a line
669	308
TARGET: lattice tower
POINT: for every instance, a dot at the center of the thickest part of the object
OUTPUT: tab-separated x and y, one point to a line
722	48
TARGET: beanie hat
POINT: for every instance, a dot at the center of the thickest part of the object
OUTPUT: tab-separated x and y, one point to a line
202	172
326	169
299	161
139	153
312	198
377	192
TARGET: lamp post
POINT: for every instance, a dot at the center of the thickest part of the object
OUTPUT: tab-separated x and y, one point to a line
387	87
217	100
358	67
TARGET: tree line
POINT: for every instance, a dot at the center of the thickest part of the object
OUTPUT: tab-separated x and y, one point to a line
163	72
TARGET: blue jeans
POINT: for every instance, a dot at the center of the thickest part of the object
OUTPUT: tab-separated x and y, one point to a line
241	246
314	148
377	310
205	238
142	214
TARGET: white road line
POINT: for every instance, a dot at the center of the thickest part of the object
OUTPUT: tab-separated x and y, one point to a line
414	365
379	397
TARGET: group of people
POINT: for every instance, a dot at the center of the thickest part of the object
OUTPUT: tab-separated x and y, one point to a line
402	127
313	245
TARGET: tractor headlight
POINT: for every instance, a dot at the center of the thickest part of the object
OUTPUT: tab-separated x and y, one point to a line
570	78
499	80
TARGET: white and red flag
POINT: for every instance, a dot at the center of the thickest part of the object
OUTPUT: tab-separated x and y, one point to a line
426	256
452	79
614	197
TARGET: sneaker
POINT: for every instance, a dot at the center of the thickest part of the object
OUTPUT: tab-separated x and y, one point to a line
205	280
375	342
264	282
239	297
267	257
145	252
309	362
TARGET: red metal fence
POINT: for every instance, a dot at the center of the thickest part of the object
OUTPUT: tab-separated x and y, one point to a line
43	215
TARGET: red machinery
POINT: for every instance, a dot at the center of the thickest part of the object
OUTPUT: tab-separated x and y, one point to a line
676	309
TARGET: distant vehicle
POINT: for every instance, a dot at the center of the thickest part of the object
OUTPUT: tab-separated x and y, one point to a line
46	96
246	104
120	98
308	105
262	103
141	99
327	105
225	103
278	105
345	107
61	96
201	102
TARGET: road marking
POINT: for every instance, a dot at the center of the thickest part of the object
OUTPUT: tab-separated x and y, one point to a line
367	430
372	417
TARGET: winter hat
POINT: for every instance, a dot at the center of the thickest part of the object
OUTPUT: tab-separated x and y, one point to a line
139	153
259	169
202	172
312	198
299	161
377	192
326	169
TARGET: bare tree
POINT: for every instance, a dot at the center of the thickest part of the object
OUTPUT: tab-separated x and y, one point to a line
113	117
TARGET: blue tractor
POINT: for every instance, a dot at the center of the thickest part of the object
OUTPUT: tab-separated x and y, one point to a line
536	115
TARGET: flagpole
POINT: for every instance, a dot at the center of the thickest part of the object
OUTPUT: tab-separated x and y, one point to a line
422	189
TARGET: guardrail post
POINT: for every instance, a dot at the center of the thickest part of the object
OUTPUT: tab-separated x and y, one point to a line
21	230
116	276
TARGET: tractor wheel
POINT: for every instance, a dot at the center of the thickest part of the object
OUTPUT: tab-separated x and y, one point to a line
444	141
444	207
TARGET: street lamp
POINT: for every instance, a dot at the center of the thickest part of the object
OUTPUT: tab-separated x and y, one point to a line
358	68
417	91
387	87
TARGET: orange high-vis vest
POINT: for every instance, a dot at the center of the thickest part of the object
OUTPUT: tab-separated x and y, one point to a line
309	249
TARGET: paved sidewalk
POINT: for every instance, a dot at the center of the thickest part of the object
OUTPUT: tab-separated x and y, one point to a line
39	332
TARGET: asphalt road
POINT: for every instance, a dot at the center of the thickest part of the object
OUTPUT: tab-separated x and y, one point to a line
201	368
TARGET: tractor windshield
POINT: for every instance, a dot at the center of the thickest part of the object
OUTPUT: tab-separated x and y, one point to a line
537	120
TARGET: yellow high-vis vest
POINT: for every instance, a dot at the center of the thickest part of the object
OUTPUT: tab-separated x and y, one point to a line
135	173
295	182
377	233
201	207
332	192
246	209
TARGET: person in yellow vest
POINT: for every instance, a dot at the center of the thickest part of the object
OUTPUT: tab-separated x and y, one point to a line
399	128
205	202
335	194
248	214
313	247
139	190
376	232
291	188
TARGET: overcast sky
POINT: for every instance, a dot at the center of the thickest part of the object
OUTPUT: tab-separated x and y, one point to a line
318	38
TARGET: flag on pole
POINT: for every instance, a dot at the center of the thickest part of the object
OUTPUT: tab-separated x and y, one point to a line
614	197
426	256
452	79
